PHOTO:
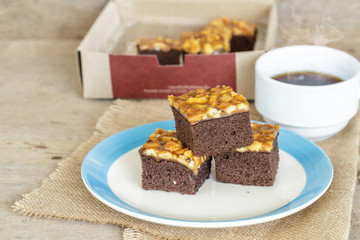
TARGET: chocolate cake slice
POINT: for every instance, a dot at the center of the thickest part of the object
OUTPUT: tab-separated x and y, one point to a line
210	40
243	33
168	165
168	51
255	164
212	121
221	35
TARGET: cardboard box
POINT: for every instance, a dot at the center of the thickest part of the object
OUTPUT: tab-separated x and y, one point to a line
110	68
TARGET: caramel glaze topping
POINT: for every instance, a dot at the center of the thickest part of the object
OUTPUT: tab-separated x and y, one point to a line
237	27
264	136
210	40
216	36
164	145
158	44
204	104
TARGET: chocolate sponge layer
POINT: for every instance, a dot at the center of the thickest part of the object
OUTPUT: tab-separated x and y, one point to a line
172	176
248	168
242	43
164	58
214	136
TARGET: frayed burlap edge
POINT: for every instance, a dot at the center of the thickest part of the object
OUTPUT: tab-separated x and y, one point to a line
64	196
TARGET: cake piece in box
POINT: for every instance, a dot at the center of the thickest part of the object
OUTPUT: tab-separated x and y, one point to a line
212	121
243	33
168	165
255	164
210	40
221	35
168	51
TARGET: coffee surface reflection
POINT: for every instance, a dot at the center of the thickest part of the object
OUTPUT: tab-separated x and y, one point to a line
307	78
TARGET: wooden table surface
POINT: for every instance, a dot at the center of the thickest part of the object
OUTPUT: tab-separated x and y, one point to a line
43	117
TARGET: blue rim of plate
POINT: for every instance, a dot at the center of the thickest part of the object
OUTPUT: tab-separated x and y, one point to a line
95	166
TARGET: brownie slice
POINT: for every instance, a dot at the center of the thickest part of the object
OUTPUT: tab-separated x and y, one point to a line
168	51
243	33
167	165
252	165
210	40
212	121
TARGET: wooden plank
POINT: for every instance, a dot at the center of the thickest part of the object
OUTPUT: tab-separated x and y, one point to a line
37	79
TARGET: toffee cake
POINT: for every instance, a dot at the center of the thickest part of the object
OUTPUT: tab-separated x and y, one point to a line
210	40
243	33
168	165
221	35
255	164
168	51
212	121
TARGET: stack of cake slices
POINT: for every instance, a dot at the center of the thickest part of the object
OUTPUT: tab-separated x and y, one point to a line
210	123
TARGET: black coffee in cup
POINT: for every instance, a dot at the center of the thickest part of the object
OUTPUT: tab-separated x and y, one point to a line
307	78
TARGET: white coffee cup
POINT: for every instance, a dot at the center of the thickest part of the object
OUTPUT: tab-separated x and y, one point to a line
315	112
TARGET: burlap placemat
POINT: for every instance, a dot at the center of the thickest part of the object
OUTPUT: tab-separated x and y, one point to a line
63	194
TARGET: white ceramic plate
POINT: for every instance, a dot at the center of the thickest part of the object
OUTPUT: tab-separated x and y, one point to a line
112	173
